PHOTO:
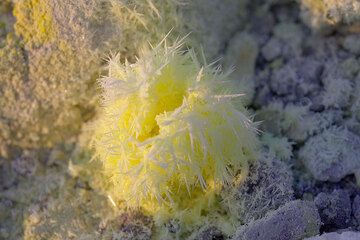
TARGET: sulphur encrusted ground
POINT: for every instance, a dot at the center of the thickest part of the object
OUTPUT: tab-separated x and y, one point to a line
296	61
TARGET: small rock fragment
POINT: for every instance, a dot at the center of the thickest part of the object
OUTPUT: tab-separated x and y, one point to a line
283	80
356	208
294	221
350	67
133	226
24	166
337	92
209	25
272	49
211	233
332	154
349	235
352	44
292	36
268	187
334	208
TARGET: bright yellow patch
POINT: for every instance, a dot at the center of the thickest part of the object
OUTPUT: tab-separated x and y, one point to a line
34	21
171	135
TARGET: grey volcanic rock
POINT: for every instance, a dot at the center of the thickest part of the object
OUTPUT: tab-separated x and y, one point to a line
332	154
210	233
337	236
352	44
334	208
356	208
294	221
272	49
210	26
268	187
133	225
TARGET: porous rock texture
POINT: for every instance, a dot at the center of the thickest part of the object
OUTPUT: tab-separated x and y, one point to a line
294	221
302	86
334	209
268	187
209	26
356	208
347	235
332	155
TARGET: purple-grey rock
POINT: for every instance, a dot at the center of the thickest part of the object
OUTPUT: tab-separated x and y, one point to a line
268	187
132	225
356	208
272	49
309	69
24	165
294	221
283	80
210	233
336	92
332	154
349	235
352	44
292	36
334	208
